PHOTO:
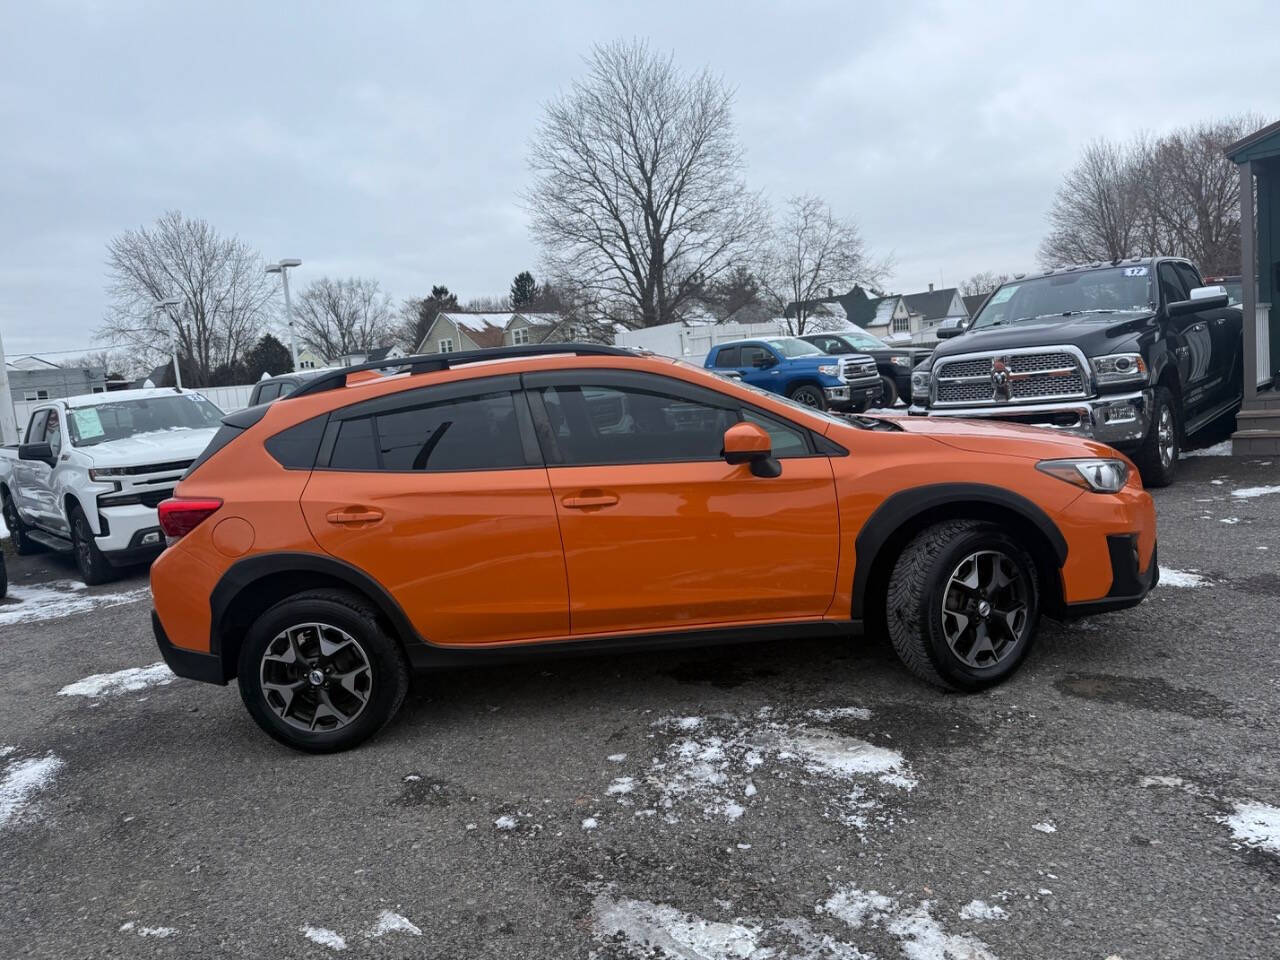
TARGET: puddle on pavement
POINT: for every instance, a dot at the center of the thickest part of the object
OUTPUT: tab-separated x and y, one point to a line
1149	693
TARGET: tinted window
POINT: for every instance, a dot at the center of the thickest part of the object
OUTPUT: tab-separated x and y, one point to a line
268	392
1190	278
296	447
788	441
591	424
476	433
729	357
753	353
35	429
1172	287
354	448
287	387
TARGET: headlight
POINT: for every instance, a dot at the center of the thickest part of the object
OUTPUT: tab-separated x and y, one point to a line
829	369
107	473
1100	476
900	361
920	385
1119	368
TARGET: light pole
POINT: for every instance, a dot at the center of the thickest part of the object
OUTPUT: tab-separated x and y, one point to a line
282	268
163	306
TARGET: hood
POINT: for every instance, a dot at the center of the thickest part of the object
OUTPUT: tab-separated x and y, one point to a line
162	446
1000	438
1094	333
822	359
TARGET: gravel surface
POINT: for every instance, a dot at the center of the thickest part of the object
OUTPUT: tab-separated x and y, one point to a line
1119	797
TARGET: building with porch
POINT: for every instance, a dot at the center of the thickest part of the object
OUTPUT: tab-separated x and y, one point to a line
1257	157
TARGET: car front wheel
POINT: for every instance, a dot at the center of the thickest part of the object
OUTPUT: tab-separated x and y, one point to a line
318	673
1157	458
889	397
809	395
963	604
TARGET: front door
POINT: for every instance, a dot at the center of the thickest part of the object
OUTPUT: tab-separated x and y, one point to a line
441	496
1192	340
659	532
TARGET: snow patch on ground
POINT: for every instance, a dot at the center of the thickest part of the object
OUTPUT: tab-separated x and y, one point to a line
390	922
1170	577
1222	449
1256	825
855	907
1045	827
650	927
981	910
159	932
919	935
325	937
713	764
22	780
59	598
590	823
122	681
1248	493
506	822
827	714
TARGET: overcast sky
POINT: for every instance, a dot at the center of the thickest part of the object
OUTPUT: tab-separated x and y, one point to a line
389	140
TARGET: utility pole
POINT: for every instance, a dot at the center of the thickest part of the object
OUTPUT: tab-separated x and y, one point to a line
282	268
8	422
163	306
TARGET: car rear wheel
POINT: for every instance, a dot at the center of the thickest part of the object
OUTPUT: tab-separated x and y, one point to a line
963	604
318	673
22	544
93	566
809	395
1157	458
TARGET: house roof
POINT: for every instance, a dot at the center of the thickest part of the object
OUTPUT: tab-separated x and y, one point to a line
484	329
380	353
974	303
31	363
537	319
932	304
884	311
1257	145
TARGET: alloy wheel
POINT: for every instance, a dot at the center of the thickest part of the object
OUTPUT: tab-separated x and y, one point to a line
316	677
984	608
1167	436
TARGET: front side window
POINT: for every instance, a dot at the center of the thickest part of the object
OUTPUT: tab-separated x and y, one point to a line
35	427
793	347
473	433
754	355
788	441
1172	286
607	424
446	345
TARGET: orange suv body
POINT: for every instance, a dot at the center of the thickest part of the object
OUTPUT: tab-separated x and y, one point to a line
574	498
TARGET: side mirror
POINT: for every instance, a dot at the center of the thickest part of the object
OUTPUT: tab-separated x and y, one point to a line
949	328
749	443
41	452
1201	298
761	363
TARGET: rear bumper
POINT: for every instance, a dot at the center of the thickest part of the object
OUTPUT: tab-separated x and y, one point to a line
1117	419
191	664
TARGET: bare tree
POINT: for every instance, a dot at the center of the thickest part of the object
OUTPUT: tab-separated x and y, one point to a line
337	317
811	251
638	198
226	298
983	283
1097	211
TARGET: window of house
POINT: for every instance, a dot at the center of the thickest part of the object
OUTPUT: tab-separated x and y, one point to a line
607	424
35	395
445	345
472	433
902	324
99	390
520	335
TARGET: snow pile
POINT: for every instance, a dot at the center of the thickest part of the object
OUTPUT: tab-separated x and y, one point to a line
122	681
647	928
60	598
981	910
159	932
1256	825
389	922
1251	492
1222	449
506	822
325	937
1045	827
713	765
22	780
1170	577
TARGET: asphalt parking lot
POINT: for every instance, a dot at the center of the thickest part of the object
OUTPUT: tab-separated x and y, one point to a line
1118	798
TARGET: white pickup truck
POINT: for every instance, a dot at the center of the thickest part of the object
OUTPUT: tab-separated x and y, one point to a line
90	471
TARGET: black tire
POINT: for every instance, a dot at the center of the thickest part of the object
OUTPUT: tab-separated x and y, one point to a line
1157	458
93	566
809	395
922	581
385	686
4	578
23	545
889	397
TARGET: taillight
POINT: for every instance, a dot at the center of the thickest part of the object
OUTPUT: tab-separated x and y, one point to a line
180	515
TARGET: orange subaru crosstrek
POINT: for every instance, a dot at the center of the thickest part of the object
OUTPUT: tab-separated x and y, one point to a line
572	498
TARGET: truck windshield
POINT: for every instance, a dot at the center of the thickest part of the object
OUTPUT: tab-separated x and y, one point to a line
791	347
1110	290
128	418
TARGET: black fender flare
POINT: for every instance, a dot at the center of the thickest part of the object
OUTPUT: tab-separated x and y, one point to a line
900	508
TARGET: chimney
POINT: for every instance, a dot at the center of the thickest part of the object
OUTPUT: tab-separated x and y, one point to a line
931	288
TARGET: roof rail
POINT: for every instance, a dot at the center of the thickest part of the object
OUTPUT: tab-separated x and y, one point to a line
432	362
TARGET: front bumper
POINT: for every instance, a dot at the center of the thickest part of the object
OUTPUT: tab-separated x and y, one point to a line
1115	419
1129	586
858	394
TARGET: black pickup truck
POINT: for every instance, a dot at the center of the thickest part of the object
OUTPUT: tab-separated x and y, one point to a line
1135	353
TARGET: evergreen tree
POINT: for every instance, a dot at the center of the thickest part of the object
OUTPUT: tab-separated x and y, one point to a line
268	356
524	290
419	314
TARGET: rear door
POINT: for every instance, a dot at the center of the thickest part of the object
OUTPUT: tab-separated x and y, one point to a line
659	532
27	473
441	496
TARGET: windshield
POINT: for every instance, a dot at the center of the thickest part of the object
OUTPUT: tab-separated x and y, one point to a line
129	418
863	341
1107	290
791	347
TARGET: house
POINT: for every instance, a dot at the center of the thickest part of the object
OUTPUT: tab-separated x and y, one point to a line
308	359
360	356
454	330
931	308
533	328
974	303
34	378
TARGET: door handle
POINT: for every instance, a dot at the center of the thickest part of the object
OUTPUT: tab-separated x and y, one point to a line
354	515
586	502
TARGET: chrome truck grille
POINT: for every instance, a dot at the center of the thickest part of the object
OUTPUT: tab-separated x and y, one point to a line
1013	376
854	369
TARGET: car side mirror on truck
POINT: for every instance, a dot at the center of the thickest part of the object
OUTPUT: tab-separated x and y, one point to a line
1202	298
949	328
750	443
41	452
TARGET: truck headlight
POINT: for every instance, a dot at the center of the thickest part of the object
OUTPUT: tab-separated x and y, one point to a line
107	473
1119	368
829	369
920	385
900	361
1100	476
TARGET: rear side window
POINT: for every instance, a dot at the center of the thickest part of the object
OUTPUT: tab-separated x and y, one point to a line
296	448
472	433
729	357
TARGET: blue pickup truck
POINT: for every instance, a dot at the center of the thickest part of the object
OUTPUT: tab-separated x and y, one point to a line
799	370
